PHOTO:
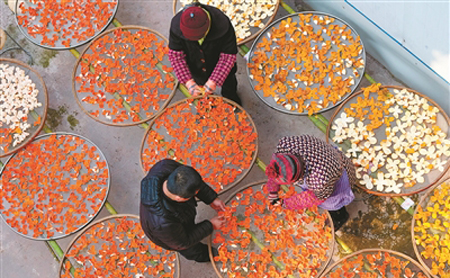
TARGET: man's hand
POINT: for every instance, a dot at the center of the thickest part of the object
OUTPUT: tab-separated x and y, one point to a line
193	88
217	222
210	87
218	205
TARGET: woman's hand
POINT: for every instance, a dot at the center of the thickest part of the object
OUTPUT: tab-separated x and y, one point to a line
193	88
210	87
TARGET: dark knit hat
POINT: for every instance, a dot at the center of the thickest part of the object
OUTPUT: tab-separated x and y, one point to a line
194	23
284	168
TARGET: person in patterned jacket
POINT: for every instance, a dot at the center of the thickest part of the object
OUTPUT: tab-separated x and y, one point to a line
202	50
324	172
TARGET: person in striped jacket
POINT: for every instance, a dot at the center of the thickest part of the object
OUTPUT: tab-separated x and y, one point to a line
324	173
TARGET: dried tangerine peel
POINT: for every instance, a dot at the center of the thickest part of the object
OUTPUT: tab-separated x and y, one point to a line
64	23
247	16
117	248
53	186
431	231
307	63
410	143
374	265
209	134
119	71
18	97
255	237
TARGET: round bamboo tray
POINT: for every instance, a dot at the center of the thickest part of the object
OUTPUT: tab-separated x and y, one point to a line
2	38
442	120
213	158
303	236
367	266
35	118
424	204
54	186
296	67
131	250
12	4
254	31
62	35
136	82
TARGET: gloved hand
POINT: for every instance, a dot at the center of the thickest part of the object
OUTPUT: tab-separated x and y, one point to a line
193	88
210	87
277	202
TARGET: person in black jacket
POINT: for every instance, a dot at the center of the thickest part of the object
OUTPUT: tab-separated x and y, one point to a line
168	209
202	50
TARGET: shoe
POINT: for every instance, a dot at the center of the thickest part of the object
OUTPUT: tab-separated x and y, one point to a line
341	221
339	217
207	258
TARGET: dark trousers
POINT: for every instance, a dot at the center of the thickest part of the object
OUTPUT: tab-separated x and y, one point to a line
229	88
198	253
339	217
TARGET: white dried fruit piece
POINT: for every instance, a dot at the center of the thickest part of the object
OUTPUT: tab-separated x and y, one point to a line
18	96
438	164
367	181
344	120
354	150
395	111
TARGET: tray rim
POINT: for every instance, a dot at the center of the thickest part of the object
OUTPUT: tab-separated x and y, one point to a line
249	38
82	232
290	112
262	182
420	204
330	123
80	58
45	106
94	215
404	256
58	48
234	104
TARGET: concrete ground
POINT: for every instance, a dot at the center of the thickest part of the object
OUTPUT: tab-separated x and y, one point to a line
20	257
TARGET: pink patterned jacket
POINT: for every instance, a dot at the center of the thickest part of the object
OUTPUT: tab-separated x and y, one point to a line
324	165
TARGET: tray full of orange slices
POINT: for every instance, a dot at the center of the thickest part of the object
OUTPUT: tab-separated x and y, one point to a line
54	186
376	263
116	246
398	139
23	105
248	17
124	77
260	240
64	24
213	135
431	230
306	63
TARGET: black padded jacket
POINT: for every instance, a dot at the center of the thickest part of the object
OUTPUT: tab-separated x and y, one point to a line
168	223
202	59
